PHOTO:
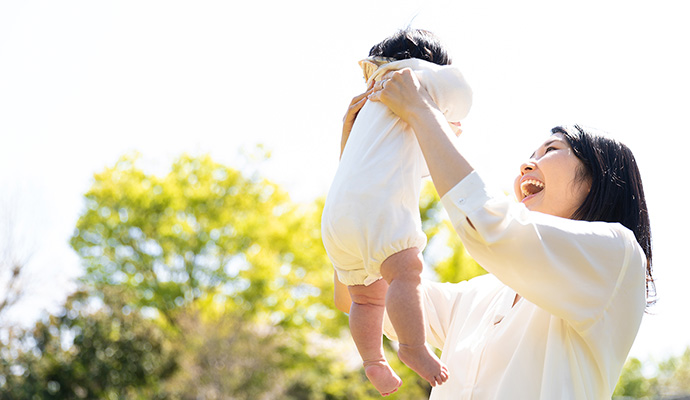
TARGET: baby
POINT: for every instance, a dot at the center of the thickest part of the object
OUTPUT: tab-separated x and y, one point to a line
371	216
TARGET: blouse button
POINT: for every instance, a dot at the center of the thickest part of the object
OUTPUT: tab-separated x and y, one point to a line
460	201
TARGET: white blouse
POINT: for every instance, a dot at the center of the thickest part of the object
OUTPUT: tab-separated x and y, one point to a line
583	297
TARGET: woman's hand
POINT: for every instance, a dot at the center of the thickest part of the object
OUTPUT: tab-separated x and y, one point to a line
353	109
402	93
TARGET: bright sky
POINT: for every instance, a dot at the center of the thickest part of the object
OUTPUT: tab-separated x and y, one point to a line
84	82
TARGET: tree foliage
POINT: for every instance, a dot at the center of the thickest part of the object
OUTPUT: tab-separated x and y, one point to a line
17	247
674	375
204	228
633	384
84	353
670	379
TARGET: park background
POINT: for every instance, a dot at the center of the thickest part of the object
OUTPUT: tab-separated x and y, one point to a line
106	97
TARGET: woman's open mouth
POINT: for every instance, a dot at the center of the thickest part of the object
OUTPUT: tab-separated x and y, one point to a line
530	187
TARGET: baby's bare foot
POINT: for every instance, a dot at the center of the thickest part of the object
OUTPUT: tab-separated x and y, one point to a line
425	363
382	376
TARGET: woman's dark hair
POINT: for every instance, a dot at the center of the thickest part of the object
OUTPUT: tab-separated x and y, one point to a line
412	43
616	194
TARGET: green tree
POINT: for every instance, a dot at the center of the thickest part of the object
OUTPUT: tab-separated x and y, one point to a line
205	233
674	375
204	228
223	356
633	384
86	354
668	380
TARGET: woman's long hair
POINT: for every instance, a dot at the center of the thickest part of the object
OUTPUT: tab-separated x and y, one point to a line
616	194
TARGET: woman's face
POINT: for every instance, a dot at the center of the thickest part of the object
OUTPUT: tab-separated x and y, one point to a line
548	181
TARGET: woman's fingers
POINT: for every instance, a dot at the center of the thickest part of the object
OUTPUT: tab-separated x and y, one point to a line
352	110
379	86
402	93
357	103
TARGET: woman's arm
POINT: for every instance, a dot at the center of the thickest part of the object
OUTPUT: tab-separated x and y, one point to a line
576	270
403	95
342	295
352	110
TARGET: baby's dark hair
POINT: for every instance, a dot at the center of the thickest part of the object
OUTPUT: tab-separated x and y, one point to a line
413	43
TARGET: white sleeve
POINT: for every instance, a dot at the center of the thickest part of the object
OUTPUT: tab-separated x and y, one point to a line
449	90
572	269
438	302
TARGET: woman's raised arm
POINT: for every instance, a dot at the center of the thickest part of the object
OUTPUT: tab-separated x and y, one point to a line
402	93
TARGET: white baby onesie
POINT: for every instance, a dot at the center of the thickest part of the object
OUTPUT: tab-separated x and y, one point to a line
372	207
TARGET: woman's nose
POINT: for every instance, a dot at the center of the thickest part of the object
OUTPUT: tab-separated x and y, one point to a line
527	167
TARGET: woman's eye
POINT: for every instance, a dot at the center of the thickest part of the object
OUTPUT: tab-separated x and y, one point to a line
548	149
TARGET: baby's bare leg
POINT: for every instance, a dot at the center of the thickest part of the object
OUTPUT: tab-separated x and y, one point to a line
403	272
366	326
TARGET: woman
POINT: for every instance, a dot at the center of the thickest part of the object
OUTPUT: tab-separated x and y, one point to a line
569	265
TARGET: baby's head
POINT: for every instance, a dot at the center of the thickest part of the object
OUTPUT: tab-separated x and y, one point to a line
404	44
412	43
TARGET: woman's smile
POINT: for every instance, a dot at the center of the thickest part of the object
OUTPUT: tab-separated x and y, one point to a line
530	187
548	181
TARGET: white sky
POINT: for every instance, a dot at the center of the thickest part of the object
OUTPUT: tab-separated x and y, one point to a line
84	82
